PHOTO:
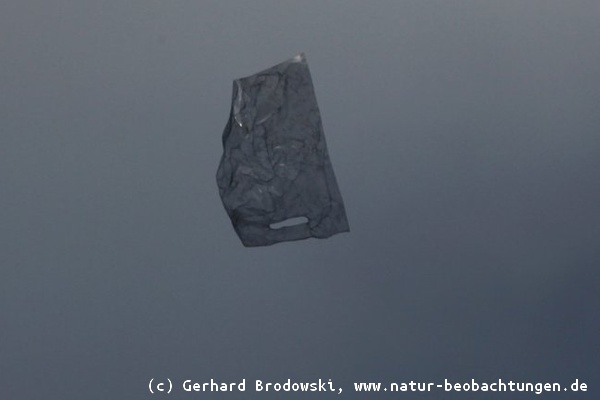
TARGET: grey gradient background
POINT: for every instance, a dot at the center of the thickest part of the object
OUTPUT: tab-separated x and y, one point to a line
465	136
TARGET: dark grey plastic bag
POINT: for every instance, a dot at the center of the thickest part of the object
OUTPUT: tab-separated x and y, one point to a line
275	164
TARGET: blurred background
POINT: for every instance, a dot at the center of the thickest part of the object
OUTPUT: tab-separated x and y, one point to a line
465	137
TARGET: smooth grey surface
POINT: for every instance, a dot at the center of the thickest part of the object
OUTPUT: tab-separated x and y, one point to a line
465	136
275	166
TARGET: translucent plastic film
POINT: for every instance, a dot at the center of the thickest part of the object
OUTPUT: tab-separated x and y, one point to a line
275	177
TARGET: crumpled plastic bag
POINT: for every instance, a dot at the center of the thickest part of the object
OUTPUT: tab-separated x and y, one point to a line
275	166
